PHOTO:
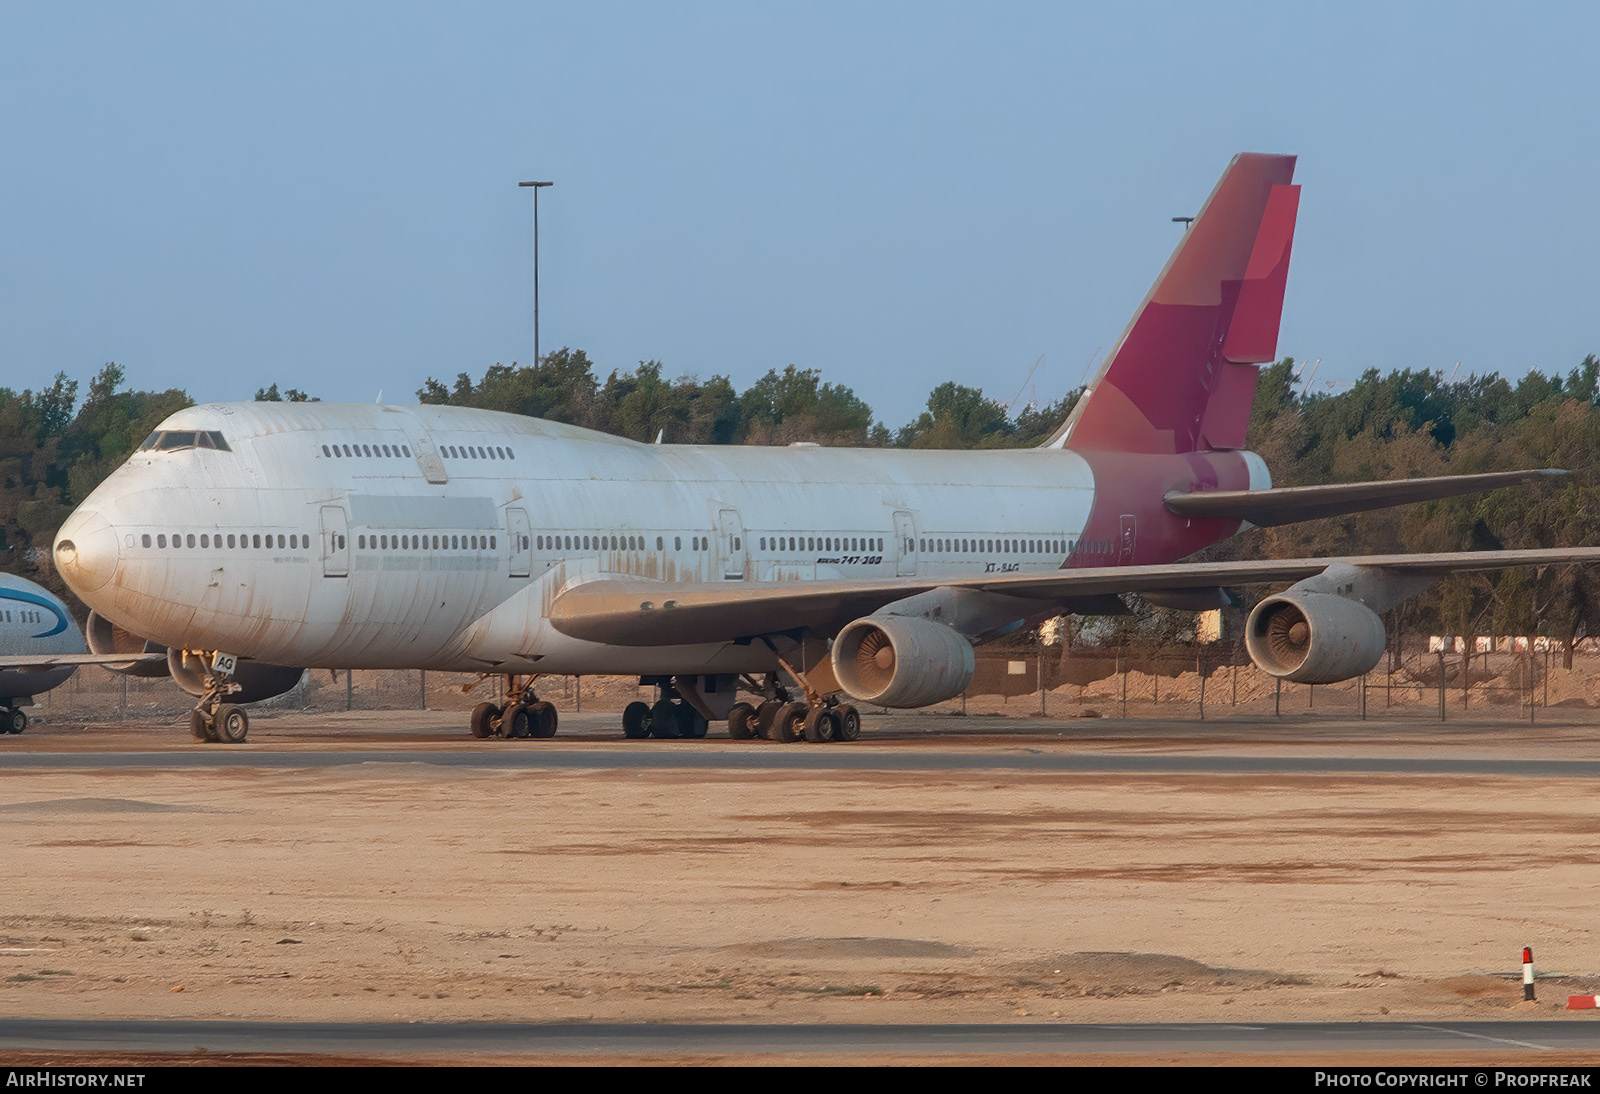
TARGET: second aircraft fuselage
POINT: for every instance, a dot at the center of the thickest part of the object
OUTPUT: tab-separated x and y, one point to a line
354	536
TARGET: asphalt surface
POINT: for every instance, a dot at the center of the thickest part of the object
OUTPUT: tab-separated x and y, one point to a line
422	1038
517	756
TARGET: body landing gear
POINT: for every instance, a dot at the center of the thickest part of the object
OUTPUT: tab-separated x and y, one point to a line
669	718
12	719
523	715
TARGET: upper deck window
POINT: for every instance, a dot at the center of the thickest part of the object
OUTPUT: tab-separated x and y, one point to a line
171	440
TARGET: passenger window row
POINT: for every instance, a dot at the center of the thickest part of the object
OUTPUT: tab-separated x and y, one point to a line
388	451
427	543
476	452
994	546
355	450
206	540
821	543
614	543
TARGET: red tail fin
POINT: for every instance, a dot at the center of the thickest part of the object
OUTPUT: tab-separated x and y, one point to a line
1183	375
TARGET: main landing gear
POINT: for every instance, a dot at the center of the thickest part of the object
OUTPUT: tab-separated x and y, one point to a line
779	719
12	719
774	716
670	717
524	714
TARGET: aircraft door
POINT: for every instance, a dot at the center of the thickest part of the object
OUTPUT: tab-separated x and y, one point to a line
730	545
335	542
1125	552
518	532
905	534
428	461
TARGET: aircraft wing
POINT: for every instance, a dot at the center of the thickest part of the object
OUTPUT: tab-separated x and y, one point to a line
1288	504
42	661
641	612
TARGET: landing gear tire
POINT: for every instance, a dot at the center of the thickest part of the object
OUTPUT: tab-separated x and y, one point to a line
544	719
636	721
664	721
819	724
691	723
787	722
517	722
15	720
742	722
764	715
483	718
847	724
230	724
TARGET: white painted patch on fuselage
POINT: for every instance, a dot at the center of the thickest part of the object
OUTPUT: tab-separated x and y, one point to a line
374	536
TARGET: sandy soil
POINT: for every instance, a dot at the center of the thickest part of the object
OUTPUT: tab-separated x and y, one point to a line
418	892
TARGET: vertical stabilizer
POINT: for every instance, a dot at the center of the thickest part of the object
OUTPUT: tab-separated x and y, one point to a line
1183	375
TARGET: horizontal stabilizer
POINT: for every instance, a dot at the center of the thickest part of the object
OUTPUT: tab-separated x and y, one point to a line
1288	504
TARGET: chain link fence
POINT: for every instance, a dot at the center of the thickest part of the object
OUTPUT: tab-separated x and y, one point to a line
1085	682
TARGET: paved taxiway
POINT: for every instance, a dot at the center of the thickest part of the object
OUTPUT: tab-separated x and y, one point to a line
1256	887
768	758
497	1038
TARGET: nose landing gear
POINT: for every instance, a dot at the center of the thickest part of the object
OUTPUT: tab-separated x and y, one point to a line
212	719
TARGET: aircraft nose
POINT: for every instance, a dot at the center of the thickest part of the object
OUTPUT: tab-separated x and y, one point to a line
86	551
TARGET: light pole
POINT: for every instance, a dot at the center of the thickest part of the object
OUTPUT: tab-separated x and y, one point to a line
536	186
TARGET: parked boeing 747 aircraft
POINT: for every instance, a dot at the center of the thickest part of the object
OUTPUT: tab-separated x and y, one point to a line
248	536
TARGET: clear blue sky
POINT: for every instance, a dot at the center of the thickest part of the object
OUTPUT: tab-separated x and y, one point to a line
222	196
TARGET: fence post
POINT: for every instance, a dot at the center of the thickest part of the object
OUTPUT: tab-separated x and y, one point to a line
1039	672
1441	684
1363	697
577	694
422	690
1123	669
1199	668
122	705
1277	697
349	689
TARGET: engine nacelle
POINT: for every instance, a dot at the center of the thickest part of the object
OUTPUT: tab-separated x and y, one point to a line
1314	638
256	681
105	636
901	661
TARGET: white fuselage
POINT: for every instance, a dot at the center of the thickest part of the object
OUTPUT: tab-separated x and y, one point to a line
34	623
274	547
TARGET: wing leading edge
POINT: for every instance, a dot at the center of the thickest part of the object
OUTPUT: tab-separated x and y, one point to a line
641	612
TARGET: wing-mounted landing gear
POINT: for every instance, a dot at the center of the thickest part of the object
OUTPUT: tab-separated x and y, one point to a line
783	715
523	714
685	706
214	720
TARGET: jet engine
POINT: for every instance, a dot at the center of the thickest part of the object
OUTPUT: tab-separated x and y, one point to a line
256	680
1314	638
105	636
901	661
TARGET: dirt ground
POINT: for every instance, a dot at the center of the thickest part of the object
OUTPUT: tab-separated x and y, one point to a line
401	892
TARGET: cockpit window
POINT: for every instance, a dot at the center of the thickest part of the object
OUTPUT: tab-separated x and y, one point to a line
171	440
